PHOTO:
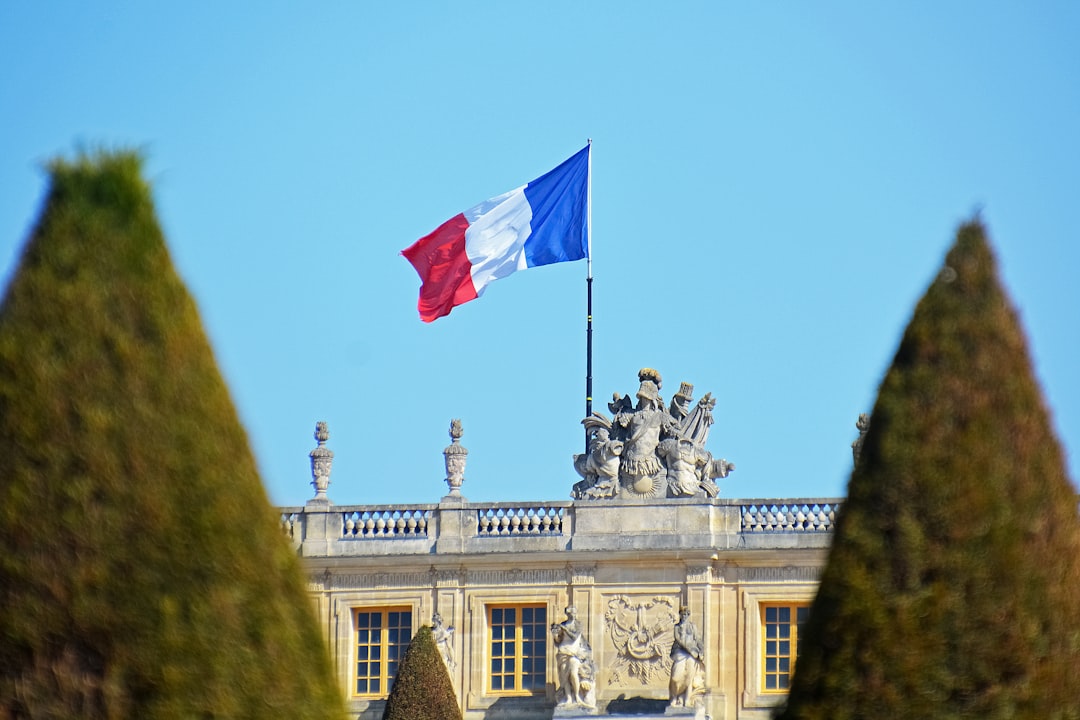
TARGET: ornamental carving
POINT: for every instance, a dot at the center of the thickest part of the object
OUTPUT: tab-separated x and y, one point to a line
698	573
647	450
446	577
787	573
642	632
580	574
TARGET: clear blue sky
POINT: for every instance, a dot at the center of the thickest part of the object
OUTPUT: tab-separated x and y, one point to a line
774	186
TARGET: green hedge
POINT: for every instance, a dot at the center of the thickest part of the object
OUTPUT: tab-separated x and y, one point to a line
142	570
951	590
422	690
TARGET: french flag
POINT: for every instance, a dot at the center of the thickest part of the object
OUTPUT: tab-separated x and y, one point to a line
542	222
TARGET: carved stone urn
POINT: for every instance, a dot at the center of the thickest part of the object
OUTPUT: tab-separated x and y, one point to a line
455	455
322	459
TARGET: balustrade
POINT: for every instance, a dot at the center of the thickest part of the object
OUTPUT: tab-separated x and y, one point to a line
793	517
390	523
518	521
497	520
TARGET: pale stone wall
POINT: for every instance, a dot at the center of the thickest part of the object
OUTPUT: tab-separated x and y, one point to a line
626	565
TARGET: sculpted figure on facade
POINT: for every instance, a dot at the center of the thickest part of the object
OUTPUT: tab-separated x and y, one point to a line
573	658
648	451
444	640
687	662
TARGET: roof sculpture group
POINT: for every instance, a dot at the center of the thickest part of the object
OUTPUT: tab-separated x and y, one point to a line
648	451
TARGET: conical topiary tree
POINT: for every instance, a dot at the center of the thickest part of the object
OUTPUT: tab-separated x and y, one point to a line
952	589
142	572
422	689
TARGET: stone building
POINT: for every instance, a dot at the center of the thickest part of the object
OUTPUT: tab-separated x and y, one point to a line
619	563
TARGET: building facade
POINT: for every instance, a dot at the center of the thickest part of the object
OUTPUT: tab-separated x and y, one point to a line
496	579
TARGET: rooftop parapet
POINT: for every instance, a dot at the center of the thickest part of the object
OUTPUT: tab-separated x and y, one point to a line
527	527
621	520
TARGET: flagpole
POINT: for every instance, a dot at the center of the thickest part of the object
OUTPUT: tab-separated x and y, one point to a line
588	283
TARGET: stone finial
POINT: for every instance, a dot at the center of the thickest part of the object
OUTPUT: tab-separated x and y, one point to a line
322	459
455	456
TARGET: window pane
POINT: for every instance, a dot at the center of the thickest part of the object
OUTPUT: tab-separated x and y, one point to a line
780	635
518	648
380	634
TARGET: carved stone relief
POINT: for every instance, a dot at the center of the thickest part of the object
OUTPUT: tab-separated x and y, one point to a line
641	633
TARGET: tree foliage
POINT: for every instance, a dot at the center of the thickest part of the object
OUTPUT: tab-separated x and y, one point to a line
142	571
951	587
422	690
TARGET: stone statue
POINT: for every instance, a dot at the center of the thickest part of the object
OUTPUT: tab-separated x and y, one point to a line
444	640
687	663
684	465
648	451
600	466
863	426
573	658
641	473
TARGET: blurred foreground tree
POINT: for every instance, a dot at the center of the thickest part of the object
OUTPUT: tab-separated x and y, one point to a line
142	570
951	590
422	689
